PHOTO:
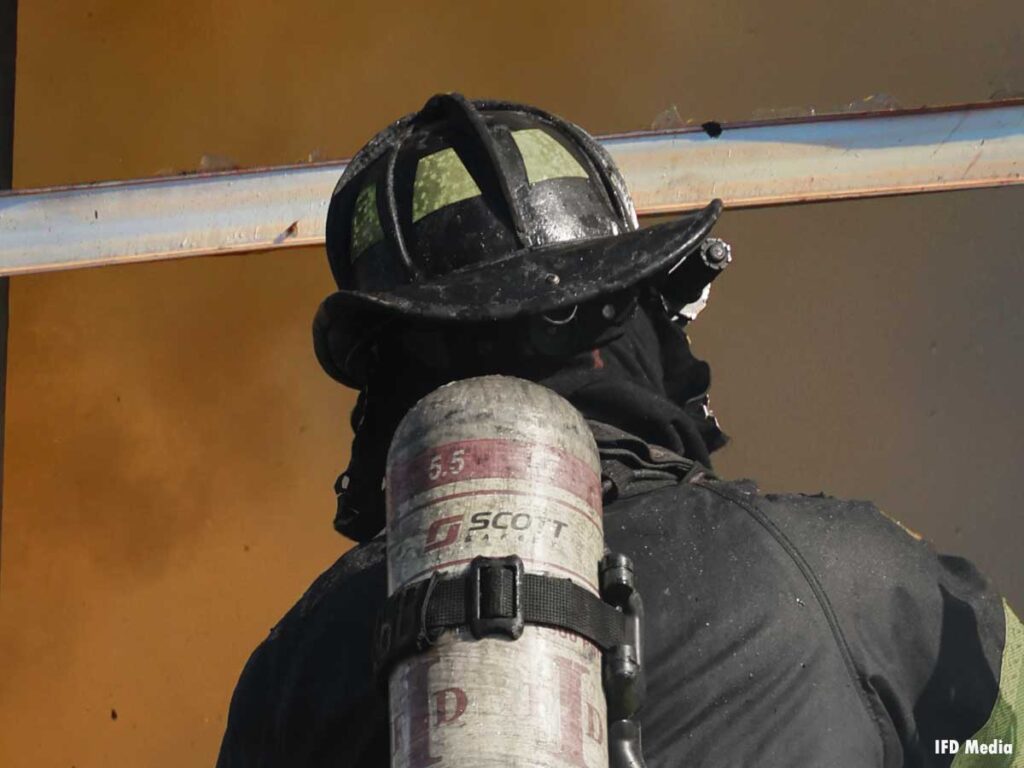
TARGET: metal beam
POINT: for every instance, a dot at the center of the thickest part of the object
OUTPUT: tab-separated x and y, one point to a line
745	164
834	157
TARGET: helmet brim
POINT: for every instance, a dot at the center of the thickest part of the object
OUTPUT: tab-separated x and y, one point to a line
538	280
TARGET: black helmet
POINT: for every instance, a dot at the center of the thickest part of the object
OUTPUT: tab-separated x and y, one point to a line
481	211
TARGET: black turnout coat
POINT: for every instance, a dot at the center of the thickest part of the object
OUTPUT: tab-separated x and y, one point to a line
781	630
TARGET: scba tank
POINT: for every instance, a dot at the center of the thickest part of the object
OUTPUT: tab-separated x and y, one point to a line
496	466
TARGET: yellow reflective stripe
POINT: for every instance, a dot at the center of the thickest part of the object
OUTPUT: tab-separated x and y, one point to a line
1008	712
907	530
441	179
544	157
366	229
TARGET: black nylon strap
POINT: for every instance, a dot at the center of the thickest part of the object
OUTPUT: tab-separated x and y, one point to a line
447	604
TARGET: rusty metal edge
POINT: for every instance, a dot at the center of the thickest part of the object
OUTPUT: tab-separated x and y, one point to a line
824	117
340	165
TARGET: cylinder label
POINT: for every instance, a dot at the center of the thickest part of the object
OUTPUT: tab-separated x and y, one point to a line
471	699
494	498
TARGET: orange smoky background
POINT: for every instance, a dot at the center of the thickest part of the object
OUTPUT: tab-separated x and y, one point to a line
171	442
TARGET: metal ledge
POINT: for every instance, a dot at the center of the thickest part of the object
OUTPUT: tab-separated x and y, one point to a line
747	164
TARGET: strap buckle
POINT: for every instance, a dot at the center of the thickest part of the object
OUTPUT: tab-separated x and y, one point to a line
489	581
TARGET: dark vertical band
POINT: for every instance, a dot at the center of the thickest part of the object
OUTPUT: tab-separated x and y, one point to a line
8	50
8	47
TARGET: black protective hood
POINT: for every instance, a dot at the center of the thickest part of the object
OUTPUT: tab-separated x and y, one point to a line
639	376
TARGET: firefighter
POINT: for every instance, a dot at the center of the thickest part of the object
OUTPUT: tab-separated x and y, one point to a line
781	630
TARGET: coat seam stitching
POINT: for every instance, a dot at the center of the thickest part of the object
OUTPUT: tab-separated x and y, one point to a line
820	596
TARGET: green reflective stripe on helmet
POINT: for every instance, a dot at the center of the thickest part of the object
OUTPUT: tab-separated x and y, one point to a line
366	228
545	157
1008	712
441	179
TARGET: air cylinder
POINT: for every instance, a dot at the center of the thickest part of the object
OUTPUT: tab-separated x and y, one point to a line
496	466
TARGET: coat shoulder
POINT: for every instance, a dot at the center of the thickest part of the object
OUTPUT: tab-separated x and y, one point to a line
311	674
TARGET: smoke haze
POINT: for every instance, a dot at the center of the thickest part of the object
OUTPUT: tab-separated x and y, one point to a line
171	441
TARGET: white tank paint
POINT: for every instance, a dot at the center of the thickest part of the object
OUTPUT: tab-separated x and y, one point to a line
496	466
